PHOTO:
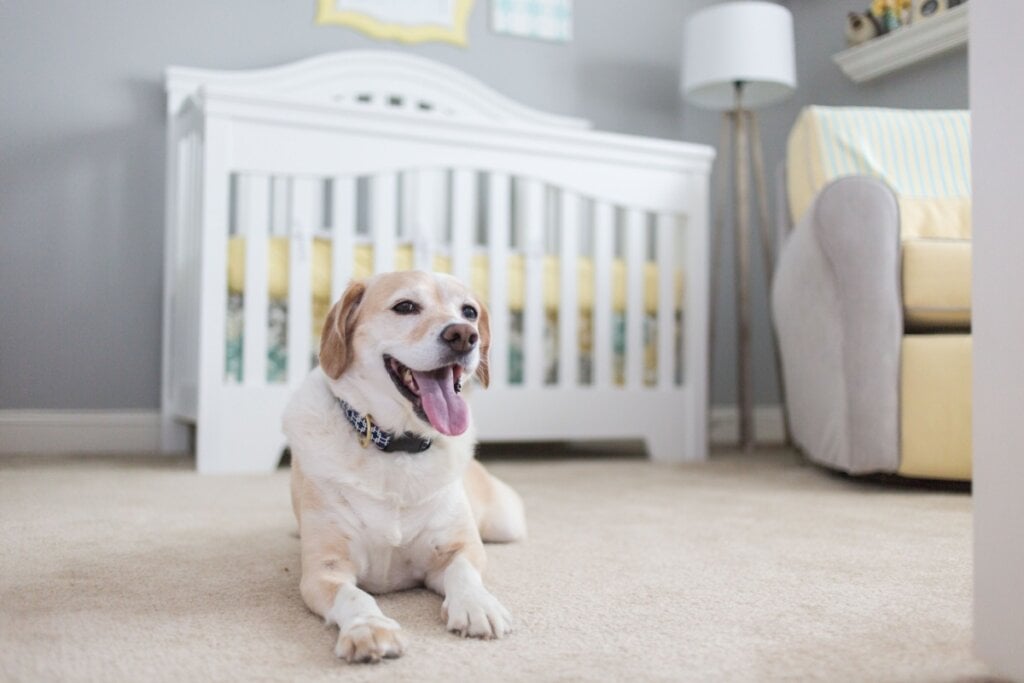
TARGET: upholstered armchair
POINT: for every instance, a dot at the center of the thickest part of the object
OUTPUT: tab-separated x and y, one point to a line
871	296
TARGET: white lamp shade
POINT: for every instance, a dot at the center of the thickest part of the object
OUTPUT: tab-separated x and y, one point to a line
750	42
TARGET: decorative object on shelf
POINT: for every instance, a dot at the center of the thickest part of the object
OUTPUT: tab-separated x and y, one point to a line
884	16
887	12
861	28
544	19
738	56
925	9
407	21
944	32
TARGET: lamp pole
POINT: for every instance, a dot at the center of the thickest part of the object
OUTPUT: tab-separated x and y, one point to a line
741	244
737	56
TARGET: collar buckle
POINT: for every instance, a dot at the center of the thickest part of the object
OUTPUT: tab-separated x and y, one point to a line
368	436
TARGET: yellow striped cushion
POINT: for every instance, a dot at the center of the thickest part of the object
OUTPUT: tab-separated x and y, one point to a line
923	155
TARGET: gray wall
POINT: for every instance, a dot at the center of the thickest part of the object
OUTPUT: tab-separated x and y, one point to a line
81	153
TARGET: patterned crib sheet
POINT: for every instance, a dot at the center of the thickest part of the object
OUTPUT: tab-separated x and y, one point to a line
277	345
277	338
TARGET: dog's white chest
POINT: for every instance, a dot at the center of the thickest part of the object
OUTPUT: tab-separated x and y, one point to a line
383	524
389	553
389	569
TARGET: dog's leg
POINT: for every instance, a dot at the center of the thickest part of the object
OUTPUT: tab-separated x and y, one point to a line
297	484
468	609
497	508
329	589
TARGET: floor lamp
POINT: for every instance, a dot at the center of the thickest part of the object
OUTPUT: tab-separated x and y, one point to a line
738	56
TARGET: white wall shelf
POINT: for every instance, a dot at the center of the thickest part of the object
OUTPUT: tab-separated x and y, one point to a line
905	46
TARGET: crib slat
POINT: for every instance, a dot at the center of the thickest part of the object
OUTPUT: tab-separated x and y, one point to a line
195	284
343	232
305	198
427	189
254	219
405	228
604	234
498	214
695	317
531	220
636	254
383	212
186	189
569	306
667	265
463	219
280	205
191	187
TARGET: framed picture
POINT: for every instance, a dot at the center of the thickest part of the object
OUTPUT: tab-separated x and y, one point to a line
408	21
543	19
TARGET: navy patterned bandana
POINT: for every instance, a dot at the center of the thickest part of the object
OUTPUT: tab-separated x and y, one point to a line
385	441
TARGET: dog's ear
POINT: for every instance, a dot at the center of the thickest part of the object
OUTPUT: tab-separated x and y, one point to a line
483	325
336	339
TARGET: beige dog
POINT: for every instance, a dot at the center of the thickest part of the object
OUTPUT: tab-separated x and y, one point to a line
384	484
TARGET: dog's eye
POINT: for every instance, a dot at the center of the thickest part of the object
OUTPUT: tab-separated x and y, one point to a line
469	313
406	307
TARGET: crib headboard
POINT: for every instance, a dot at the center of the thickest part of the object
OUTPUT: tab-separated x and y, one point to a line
367	80
581	238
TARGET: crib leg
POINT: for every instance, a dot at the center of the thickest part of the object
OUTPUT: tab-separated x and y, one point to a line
678	438
667	443
174	434
234	446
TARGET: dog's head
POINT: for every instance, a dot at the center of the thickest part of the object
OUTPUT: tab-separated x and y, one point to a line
406	343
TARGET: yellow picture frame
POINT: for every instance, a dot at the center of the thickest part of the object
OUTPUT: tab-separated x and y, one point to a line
455	33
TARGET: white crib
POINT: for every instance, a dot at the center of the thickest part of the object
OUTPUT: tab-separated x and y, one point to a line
284	183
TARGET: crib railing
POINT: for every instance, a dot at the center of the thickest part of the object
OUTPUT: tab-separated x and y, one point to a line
504	234
296	179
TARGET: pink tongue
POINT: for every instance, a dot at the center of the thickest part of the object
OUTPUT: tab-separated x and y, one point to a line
445	409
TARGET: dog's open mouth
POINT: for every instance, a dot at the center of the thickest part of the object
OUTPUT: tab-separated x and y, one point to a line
434	394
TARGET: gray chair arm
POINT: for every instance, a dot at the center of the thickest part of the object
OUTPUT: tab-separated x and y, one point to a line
837	309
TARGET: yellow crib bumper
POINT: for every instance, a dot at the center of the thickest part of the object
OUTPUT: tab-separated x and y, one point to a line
278	257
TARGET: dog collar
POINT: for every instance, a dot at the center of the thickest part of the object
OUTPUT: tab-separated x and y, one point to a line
385	441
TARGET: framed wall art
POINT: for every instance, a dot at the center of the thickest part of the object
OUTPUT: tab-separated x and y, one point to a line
407	21
542	19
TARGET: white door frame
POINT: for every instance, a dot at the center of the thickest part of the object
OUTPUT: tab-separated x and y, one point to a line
997	103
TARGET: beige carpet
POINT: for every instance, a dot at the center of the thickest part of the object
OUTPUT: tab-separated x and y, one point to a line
746	568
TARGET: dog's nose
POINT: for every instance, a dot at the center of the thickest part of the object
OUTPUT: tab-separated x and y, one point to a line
462	337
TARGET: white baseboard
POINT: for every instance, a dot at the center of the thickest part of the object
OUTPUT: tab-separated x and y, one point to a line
59	431
725	425
122	431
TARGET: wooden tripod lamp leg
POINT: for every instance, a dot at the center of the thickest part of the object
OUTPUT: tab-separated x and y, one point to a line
744	395
768	252
721	189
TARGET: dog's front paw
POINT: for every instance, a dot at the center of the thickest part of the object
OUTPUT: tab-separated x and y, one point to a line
476	614
370	640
